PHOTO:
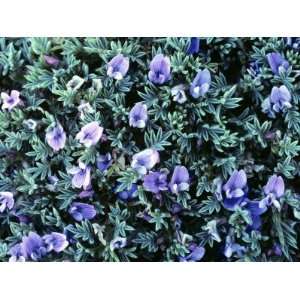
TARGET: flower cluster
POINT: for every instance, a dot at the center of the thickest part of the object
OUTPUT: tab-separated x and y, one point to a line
149	149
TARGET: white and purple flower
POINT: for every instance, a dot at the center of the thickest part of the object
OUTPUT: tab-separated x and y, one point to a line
235	190
277	62
55	241
138	115
160	69
180	180
201	83
145	161
81	176
33	247
82	211
273	190
56	137
279	99
16	253
6	201
117	67
90	134
10	101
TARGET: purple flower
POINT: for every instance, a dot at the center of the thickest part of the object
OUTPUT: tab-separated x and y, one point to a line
118	243
155	182
277	62
129	194
10	101
194	46
16	253
160	69
81	211
178	93
81	176
90	134
56	137
55	241
118	67
51	60
6	201
180	180
232	248
138	115
33	247
200	84
145	160
280	98
104	162
256	210
235	189
274	190
196	253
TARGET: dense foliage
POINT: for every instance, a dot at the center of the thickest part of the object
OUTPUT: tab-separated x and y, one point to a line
71	192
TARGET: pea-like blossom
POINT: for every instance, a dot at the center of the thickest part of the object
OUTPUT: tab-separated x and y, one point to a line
51	61
155	182
180	180
273	190
178	93
127	194
277	62
145	160
279	99
118	66
6	201
81	211
196	253
194	46
16	253
10	101
55	241
118	243
33	247
201	83
255	210
138	115
90	134
235	190
160	69
104	162
56	137
232	248
81	175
